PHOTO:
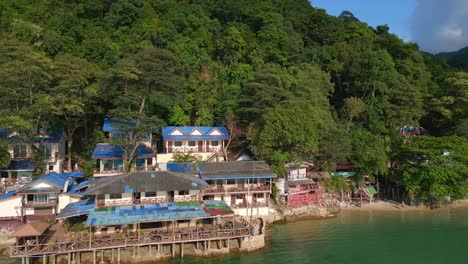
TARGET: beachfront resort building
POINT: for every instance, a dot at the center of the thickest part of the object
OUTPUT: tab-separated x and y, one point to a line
109	157
204	142
50	144
41	199
159	210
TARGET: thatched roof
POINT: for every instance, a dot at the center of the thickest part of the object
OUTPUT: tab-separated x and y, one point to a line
30	229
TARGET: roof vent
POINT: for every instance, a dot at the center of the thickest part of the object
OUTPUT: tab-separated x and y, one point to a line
153	175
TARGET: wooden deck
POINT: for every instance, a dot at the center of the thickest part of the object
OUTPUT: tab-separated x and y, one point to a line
115	241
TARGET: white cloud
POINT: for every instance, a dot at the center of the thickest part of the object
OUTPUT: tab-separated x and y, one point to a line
440	25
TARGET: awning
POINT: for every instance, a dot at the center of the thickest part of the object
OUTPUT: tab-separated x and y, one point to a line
76	209
371	190
30	229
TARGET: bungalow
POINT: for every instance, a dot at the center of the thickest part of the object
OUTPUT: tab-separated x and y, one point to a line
304	186
109	157
205	142
44	197
244	185
50	143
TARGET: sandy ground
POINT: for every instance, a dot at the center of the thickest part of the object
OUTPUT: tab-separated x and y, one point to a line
396	207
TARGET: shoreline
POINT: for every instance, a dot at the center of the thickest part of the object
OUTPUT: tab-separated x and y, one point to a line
389	206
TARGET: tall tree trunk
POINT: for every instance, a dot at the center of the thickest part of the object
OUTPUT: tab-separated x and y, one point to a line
69	144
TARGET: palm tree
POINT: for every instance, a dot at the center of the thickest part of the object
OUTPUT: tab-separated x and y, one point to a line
185	157
4	157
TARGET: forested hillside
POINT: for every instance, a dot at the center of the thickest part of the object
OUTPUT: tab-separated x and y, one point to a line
288	79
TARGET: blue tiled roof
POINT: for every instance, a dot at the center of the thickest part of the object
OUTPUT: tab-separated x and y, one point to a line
20	165
186	130
108	122
82	207
121	215
109	151
7	195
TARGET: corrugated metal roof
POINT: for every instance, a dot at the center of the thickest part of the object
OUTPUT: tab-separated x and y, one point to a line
7	195
235	170
57	181
109	151
300	182
82	207
146	182
181	167
186	132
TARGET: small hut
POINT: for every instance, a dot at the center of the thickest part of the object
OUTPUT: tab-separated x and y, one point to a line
26	233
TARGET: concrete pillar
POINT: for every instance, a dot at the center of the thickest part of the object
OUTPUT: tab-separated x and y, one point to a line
94	256
44	259
181	250
79	257
23	260
113	253
69	258
27	260
229	244
173	250
118	256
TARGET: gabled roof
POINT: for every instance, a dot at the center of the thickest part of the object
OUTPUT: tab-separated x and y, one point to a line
20	165
30	229
110	151
112	124
52	135
146	182
51	181
172	132
235	170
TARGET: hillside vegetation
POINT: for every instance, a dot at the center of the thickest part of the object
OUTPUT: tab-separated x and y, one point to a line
289	80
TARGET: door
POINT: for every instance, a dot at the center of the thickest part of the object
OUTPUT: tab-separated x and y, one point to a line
200	146
169	147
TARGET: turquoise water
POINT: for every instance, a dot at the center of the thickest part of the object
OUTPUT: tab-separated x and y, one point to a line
439	236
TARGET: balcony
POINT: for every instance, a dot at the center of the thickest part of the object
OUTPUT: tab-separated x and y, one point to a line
146	200
107	172
238	189
39	204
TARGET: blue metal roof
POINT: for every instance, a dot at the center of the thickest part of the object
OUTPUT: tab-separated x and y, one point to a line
53	178
108	122
182	167
53	135
7	195
187	130
82	207
120	215
74	174
109	151
20	165
79	189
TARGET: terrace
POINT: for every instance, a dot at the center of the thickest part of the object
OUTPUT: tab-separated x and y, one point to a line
126	226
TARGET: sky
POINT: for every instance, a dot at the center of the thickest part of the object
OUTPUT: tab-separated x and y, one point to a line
436	25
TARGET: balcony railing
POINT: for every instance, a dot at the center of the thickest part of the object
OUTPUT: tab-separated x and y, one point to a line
239	189
146	200
36	204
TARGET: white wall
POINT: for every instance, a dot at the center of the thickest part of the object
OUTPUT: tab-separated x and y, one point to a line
10	207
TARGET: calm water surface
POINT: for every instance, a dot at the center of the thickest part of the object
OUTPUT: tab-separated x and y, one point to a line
439	236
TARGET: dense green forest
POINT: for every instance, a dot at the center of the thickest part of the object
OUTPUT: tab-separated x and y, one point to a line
287	79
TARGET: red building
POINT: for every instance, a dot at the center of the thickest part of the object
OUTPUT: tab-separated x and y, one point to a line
302	189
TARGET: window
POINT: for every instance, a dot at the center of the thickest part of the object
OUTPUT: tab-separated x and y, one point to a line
192	143
115	196
260	195
140	163
177	143
239	196
19	151
46	150
149	162
254	180
231	181
210	182
214	143
183	192
150	194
